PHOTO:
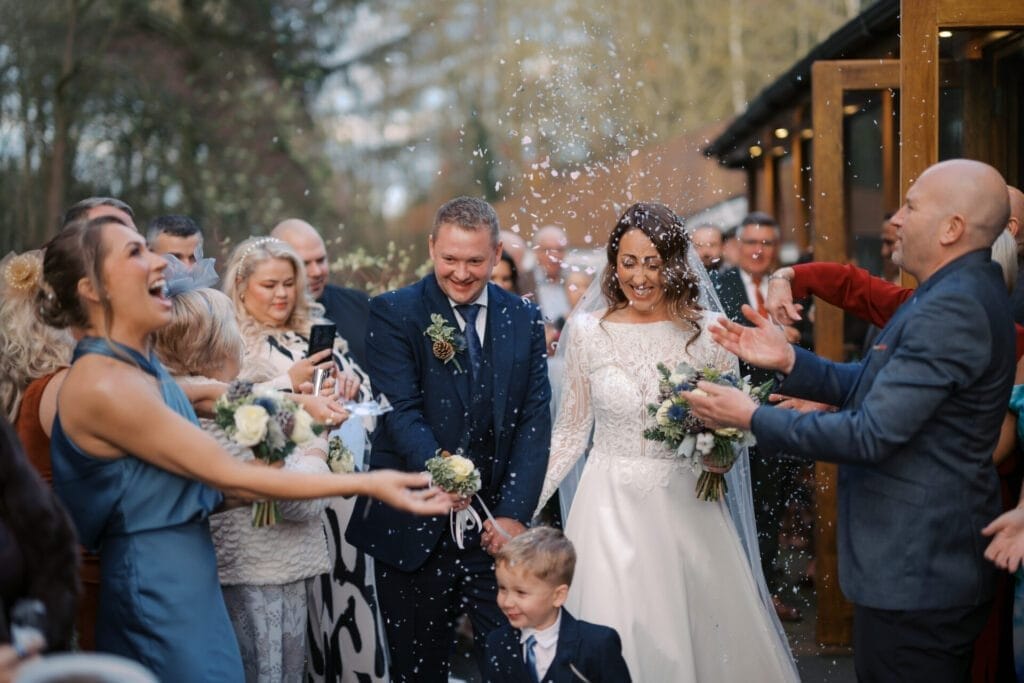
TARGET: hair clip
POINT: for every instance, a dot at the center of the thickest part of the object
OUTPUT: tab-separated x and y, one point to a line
180	278
23	271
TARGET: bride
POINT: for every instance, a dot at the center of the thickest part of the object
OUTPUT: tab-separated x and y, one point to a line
671	573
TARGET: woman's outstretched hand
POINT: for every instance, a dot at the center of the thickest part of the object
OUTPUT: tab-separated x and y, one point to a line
763	345
1006	550
407	491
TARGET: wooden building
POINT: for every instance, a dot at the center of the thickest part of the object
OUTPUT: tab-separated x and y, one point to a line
833	144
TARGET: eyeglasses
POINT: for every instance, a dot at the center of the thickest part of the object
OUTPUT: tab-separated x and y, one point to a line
756	243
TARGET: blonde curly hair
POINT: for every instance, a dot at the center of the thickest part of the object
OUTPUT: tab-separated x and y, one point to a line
244	260
29	348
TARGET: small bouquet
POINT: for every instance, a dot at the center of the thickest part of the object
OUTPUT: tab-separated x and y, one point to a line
268	423
455	473
340	457
682	430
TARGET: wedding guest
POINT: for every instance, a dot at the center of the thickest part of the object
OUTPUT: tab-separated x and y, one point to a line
730	249
1016	228
96	207
542	641
758	237
506	275
265	572
347	308
550	243
179	236
708	241
914	435
266	280
516	247
576	282
38	552
138	475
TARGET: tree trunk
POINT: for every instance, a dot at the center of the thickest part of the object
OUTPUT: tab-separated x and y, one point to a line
739	89
55	198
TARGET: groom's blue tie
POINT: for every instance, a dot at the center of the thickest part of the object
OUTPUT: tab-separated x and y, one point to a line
531	658
473	348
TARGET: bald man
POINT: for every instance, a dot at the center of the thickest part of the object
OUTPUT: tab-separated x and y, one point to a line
918	421
349	309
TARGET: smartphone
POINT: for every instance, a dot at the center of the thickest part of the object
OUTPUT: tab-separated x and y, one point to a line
321	337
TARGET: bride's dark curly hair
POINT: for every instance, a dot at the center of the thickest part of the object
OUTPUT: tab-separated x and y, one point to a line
665	229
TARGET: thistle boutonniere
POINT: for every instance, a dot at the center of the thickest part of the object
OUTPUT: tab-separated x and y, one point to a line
446	341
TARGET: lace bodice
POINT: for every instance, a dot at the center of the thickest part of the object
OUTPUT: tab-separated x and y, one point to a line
610	377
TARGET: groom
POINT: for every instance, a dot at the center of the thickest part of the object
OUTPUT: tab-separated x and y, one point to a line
490	400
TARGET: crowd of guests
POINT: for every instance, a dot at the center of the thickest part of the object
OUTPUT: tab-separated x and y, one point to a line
115	345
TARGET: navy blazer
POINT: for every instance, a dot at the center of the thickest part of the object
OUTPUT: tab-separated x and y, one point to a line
431	400
732	294
349	310
585	652
919	419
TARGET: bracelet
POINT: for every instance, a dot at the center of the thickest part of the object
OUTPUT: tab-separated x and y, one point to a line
776	276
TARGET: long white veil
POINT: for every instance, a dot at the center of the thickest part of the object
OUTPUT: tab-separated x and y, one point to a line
739	497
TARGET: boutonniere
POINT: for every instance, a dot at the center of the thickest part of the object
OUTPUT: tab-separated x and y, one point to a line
446	341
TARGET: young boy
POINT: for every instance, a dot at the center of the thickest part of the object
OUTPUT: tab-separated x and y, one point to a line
542	641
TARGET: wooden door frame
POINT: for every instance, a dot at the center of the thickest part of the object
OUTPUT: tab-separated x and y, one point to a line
829	81
920	22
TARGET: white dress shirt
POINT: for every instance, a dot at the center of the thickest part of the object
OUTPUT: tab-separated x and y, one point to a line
547	645
481	316
748	285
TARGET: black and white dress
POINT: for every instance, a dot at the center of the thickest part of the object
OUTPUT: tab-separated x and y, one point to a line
345	638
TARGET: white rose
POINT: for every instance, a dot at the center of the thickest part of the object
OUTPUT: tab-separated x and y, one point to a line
662	415
303	430
250	424
461	467
676	379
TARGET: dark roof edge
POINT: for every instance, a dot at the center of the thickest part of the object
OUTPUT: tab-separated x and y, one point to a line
876	20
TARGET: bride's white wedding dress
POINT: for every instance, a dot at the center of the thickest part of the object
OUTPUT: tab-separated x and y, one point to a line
665	569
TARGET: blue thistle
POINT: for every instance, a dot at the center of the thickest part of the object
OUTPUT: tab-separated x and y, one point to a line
677	413
268	404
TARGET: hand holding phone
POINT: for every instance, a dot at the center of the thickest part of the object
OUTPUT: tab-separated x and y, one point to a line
321	337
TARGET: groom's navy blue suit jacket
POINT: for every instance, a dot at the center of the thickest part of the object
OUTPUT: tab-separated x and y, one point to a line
914	436
432	401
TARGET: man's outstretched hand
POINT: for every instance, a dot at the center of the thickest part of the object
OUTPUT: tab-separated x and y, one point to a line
764	345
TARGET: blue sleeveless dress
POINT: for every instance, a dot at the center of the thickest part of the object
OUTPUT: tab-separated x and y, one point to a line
160	600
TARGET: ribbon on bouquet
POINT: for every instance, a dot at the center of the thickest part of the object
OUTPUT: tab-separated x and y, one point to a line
468	519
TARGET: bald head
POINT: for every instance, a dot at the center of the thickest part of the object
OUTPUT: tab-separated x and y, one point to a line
955	207
306	241
978	193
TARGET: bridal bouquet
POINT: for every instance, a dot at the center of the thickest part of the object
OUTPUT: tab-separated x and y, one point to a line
268	423
682	430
